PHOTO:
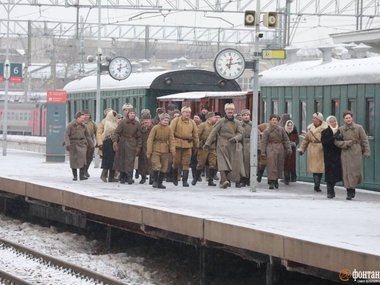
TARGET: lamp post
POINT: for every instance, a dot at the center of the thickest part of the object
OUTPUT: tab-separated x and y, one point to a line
6	87
255	101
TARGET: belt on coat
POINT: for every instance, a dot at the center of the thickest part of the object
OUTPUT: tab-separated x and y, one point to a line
274	142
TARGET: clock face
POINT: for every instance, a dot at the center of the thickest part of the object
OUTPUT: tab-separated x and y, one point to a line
229	63
119	68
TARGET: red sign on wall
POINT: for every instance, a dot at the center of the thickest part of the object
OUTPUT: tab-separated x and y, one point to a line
56	96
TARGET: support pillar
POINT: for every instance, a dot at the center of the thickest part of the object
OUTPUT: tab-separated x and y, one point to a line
202	265
108	237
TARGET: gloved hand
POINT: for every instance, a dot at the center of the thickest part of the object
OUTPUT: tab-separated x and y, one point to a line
206	147
366	155
138	151
300	151
115	146
293	145
100	147
67	148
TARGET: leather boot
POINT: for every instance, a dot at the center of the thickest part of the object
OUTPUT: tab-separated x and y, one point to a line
286	178
75	174
348	194
185	176
293	176
161	176
143	179
81	174
260	175
111	177
211	177
275	183
175	176
122	177
169	175
129	177
197	174
353	192
151	178
155	179
271	184
104	175
86	171
317	182
330	191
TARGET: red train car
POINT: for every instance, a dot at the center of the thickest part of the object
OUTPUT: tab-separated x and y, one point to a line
214	100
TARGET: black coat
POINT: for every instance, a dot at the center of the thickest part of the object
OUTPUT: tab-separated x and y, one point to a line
331	154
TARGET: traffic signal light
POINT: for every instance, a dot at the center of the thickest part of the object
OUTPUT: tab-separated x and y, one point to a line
270	19
249	18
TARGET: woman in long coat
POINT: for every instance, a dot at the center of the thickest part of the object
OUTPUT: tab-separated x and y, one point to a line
229	151
127	143
312	142
76	140
290	161
275	146
354	146
144	165
247	126
109	127
331	154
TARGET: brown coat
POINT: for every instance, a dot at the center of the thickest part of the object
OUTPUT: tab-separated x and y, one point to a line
185	133
77	139
312	142
144	165
275	146
128	137
247	126
354	146
229	153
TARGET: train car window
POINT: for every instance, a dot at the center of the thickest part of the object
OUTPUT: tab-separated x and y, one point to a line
288	106
275	107
370	117
317	106
335	107
303	122
352	106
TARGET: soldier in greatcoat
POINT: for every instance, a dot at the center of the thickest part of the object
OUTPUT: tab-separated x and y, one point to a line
186	138
76	141
160	145
91	128
275	146
246	123
354	147
144	164
127	143
229	134
261	160
203	156
312	142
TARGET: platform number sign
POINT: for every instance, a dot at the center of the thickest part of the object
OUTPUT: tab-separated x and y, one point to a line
16	73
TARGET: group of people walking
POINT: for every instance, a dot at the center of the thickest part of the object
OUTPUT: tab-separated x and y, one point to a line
168	145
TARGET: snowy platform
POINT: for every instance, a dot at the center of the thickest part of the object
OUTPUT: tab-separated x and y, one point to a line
292	223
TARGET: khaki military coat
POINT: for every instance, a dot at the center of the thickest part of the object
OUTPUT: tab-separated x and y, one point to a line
160	140
229	153
128	137
204	130
77	139
275	146
185	133
144	165
312	142
354	146
247	127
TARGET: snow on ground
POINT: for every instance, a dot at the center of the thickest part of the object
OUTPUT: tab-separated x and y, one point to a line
75	249
293	211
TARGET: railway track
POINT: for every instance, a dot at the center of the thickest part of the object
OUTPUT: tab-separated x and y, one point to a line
22	265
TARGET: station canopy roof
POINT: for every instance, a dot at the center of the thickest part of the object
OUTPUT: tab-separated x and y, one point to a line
197	95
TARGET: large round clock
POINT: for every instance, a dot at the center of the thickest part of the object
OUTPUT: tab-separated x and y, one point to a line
229	63
119	68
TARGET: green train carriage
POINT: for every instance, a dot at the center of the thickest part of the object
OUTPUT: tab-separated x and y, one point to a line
330	87
141	89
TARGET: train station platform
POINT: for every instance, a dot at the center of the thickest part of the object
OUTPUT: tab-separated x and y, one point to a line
301	228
